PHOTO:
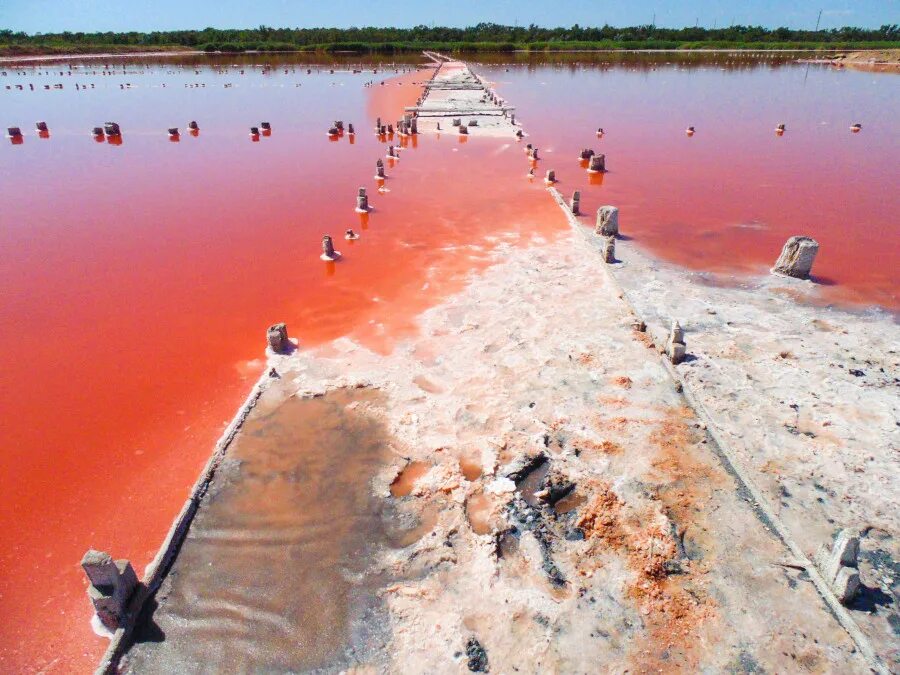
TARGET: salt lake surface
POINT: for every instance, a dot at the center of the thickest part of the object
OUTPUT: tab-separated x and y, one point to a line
138	278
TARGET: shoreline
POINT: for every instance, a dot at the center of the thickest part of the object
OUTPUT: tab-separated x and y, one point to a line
26	58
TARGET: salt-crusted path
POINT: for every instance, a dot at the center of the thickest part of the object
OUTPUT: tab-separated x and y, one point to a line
457	93
653	561
808	399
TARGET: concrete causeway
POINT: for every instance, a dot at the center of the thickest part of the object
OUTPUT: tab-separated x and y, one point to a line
457	93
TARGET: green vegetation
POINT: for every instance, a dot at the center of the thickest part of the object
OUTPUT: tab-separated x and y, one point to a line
485	37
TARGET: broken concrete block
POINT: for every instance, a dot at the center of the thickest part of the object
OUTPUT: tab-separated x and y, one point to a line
846	584
838	565
277	338
797	256
607	221
112	584
609	249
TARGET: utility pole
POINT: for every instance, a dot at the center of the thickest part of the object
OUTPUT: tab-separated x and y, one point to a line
818	20
653	23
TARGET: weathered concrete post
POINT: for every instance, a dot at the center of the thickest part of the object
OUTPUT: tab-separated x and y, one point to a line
576	202
379	169
797	256
378	126
391	152
534	154
550	178
254	131
413	126
13	132
675	347
609	249
328	252
173	132
598	163
463	130
350	235
96	132
41	126
362	201
607	221
350	130
839	565
193	126
112	129
112	584
277	338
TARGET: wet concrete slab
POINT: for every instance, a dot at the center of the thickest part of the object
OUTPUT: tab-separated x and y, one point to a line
273	573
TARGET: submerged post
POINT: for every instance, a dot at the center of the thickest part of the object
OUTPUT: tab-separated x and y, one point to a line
797	257
328	252
112	584
607	221
362	201
609	250
379	169
598	163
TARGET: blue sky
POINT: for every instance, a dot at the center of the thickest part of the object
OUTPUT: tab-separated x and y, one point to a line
144	15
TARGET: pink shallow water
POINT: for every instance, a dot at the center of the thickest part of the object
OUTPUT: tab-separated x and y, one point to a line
138	278
727	198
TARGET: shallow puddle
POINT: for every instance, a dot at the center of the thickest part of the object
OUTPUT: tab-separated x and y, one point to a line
405	481
570	502
478	510
274	572
471	468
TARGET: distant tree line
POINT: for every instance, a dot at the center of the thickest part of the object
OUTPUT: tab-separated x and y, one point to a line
482	37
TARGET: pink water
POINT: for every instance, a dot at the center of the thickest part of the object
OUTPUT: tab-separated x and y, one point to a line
138	279
727	198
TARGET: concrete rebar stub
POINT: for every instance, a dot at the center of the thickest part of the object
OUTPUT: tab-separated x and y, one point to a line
797	257
607	221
